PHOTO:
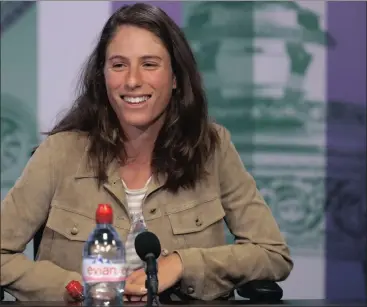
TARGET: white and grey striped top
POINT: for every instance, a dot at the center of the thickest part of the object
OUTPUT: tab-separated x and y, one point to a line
134	200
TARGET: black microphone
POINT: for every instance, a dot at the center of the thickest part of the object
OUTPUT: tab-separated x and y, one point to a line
148	248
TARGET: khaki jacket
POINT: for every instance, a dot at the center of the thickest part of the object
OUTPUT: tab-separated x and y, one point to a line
57	188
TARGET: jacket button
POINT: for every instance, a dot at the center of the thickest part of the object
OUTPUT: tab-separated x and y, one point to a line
74	231
198	222
164	252
153	210
190	290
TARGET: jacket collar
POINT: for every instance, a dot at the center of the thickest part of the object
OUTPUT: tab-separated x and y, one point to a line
85	170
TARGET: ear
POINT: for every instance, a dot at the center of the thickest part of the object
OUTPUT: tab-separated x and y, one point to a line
174	84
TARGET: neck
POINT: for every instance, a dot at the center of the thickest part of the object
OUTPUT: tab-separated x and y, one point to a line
140	143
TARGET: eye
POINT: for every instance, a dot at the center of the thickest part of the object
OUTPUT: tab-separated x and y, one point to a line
118	66
150	65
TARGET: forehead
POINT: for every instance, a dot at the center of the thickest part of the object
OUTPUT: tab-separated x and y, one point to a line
133	41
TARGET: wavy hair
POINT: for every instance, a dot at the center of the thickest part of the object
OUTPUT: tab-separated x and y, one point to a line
187	138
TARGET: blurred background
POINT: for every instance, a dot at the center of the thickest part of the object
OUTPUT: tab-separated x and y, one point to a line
287	78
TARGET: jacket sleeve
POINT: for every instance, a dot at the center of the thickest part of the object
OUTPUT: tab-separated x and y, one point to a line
259	252
23	211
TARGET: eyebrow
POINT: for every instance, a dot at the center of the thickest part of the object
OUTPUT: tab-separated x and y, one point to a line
144	57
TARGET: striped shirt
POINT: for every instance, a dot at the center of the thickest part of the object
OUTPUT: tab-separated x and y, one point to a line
134	200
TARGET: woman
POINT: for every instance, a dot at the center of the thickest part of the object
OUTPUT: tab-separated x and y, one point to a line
139	138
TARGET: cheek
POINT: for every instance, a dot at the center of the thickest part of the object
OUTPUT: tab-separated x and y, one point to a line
161	81
113	80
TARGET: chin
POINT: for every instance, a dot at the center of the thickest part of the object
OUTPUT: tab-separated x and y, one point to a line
143	122
138	124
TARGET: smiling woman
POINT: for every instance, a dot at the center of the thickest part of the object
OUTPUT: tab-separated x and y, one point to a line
139	138
142	53
139	78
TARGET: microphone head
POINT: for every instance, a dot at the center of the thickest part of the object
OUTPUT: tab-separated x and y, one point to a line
147	243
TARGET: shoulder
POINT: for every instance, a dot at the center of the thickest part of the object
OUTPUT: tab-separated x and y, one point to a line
226	152
68	139
68	144
224	137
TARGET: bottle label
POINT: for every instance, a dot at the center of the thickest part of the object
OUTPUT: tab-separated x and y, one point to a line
103	270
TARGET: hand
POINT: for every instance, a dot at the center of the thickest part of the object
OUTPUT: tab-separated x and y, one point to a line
73	293
135	298
70	300
170	271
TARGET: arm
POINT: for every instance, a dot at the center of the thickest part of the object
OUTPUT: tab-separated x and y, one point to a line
259	252
23	210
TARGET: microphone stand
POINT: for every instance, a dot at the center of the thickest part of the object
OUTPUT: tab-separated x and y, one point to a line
151	282
151	295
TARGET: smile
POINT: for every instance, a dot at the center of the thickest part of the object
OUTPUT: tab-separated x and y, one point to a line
135	99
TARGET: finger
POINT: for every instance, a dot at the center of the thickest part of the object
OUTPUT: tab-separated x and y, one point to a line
136	298
135	289
69	299
140	280
136	274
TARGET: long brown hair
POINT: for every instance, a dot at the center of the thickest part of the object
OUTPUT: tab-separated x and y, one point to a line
187	138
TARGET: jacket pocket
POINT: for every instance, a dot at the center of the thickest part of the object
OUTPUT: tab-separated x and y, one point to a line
200	223
70	230
73	226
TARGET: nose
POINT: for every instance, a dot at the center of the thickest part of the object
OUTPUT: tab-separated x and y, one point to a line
134	79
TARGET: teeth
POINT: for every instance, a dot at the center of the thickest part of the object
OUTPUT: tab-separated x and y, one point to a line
136	99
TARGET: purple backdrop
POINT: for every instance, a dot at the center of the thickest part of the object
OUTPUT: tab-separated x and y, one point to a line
346	152
172	8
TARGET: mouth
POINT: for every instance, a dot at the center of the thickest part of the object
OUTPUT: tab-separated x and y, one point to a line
135	100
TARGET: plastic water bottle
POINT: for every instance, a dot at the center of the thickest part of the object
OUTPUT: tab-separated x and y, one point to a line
104	271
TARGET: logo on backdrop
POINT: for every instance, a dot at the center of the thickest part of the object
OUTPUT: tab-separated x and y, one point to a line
11	11
18	123
17	139
261	63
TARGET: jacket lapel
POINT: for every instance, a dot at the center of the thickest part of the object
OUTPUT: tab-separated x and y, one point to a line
114	185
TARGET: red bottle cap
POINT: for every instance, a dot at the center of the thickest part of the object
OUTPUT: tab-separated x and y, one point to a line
104	214
75	290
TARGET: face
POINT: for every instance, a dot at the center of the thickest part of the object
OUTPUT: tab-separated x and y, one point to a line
139	77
